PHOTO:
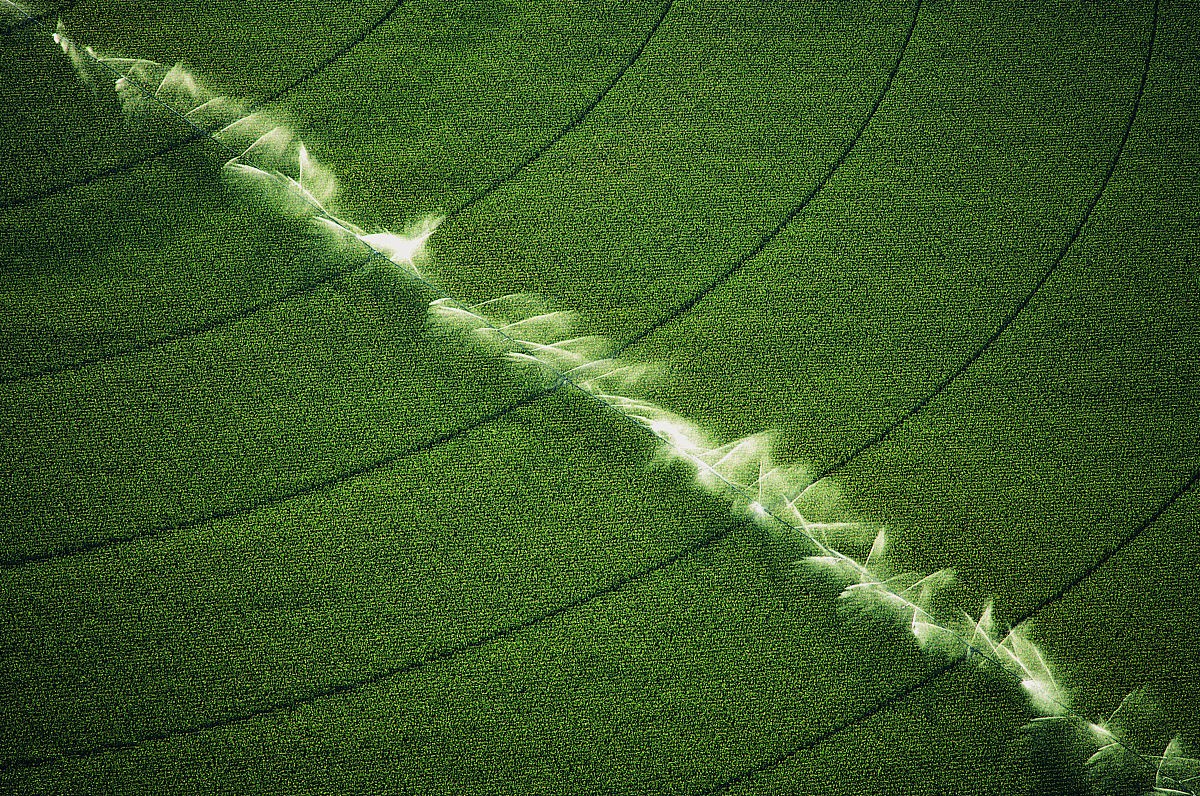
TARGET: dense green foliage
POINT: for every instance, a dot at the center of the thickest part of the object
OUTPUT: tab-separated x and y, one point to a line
315	494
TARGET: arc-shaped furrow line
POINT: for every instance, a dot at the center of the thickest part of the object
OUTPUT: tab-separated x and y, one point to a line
331	59
111	171
925	400
687	306
324	484
351	686
34	19
812	743
1121	543
584	112
196	135
186	332
471	201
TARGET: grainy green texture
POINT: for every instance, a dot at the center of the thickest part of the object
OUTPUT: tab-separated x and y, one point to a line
984	154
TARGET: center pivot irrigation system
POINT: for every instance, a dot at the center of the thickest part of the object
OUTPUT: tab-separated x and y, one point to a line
790	503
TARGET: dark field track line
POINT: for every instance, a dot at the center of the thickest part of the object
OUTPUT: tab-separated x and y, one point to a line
880	436
22	560
348	687
196	135
331	59
825	735
36	18
634	57
186	332
120	168
737	265
224	320
1112	551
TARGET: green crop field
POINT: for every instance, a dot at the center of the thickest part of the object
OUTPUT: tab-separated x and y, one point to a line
293	502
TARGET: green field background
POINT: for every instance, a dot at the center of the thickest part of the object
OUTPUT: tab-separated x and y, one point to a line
344	562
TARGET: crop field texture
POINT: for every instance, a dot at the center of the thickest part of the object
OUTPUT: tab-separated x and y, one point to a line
558	397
